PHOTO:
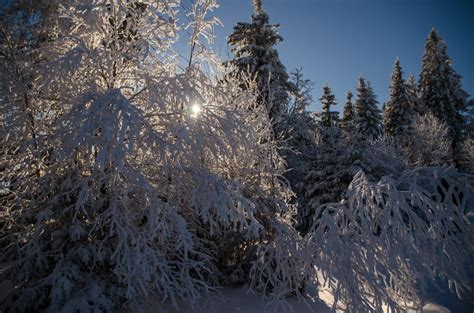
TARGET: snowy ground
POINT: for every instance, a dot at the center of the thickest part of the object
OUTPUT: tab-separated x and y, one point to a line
240	300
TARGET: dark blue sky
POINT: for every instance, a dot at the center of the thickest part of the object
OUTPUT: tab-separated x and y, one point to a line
337	40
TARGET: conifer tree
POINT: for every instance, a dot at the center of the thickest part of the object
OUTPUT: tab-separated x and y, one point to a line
368	118
412	91
301	135
348	115
470	120
333	163
253	46
440	89
397	113
327	100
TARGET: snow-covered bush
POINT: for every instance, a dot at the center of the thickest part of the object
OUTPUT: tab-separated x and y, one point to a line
427	142
333	164
282	266
387	240
467	159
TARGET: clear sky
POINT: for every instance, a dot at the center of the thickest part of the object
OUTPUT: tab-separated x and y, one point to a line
337	40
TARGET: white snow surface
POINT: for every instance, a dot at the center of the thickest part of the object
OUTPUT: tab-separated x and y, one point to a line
237	300
241	300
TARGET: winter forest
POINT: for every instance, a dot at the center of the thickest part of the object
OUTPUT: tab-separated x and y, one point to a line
132	170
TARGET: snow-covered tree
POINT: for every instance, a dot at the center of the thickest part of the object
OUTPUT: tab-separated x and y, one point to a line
348	115
389	239
440	89
327	100
201	30
412	91
300	126
469	117
333	163
303	91
427	142
27	111
467	159
368	122
159	182
253	46
398	115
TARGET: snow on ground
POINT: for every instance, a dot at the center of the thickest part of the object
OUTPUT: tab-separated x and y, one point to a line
240	300
435	308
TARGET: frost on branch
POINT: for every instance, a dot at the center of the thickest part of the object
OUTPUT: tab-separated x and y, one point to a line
427	143
282	266
388	240
140	196
333	163
98	221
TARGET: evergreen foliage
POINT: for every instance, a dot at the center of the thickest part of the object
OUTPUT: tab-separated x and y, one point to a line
334	161
348	115
440	90
470	120
397	114
253	46
412	91
300	126
368	122
327	100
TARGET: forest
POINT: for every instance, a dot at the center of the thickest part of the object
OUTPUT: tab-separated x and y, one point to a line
130	169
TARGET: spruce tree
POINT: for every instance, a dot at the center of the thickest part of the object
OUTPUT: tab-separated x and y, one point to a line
332	165
440	89
253	46
301	131
348	115
397	114
470	120
327	100
368	118
412	91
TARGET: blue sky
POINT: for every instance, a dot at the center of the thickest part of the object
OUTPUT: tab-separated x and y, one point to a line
337	40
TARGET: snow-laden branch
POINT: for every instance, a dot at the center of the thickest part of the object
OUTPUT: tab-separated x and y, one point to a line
387	241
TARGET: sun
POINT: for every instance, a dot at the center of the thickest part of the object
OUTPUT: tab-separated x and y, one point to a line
195	110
